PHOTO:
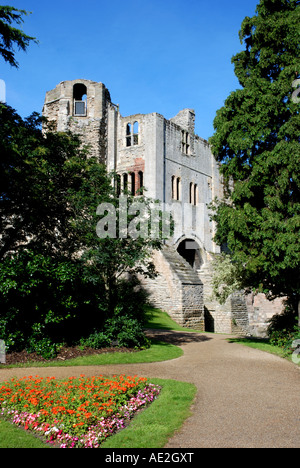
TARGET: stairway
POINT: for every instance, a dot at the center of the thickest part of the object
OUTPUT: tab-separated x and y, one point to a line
185	273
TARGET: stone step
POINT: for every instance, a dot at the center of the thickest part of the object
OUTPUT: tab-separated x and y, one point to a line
180	266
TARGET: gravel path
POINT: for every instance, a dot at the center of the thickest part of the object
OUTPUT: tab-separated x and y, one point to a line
246	398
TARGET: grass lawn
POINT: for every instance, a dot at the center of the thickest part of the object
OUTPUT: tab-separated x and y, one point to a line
14	437
158	319
262	345
159	351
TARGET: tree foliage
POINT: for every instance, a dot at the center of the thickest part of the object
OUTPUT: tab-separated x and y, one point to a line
227	278
39	172
58	279
256	141
11	37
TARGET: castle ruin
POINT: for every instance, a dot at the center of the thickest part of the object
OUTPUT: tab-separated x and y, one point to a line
175	166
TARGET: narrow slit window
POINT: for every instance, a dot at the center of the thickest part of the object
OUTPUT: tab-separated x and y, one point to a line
135	133
178	188
128	134
132	180
118	185
195	194
191	193
125	182
141	182
173	187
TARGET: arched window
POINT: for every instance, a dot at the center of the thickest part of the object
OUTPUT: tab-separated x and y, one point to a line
173	187
128	134
80	99
191	193
178	188
118	185
125	182
195	194
132	183
141	182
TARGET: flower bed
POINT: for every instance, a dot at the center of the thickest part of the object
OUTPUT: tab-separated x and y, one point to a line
77	412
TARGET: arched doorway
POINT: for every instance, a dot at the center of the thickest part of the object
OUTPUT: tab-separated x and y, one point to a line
190	251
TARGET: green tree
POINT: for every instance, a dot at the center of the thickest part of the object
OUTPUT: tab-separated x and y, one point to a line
11	37
38	172
227	277
44	293
256	141
59	279
115	255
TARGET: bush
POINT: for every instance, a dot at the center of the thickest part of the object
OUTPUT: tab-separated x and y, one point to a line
280	337
96	340
45	300
127	331
282	330
131	300
44	347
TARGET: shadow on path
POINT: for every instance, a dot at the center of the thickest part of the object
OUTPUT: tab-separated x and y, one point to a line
176	338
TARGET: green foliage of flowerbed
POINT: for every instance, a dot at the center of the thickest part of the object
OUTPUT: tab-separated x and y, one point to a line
75	413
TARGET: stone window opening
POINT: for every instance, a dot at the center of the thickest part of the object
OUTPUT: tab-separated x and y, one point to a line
132	184
196	195
141	182
185	142
136	133
193	194
80	100
176	188
128	134
132	134
125	182
118	185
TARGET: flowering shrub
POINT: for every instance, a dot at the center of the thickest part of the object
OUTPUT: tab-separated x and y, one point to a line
77	412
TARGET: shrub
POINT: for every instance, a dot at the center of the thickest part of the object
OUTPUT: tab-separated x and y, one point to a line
45	300
282	329
44	347
96	340
128	332
131	300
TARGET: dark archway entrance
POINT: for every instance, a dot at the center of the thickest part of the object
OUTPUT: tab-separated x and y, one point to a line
189	250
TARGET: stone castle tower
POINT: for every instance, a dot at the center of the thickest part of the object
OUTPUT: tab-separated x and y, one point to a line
175	166
80	106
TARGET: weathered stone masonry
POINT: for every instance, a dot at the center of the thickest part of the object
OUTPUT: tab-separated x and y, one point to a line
177	167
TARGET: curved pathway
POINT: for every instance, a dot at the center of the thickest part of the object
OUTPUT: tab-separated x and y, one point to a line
245	398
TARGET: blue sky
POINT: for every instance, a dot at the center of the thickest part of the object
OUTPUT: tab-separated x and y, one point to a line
153	55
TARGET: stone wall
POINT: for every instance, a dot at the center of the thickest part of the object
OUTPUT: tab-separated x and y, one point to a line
176	290
260	311
239	314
